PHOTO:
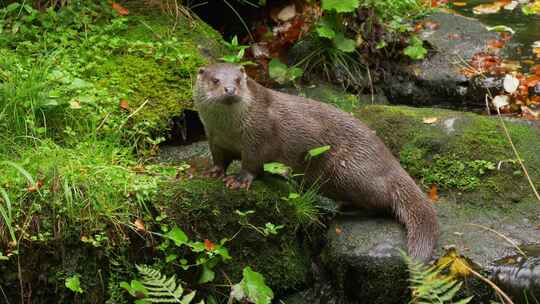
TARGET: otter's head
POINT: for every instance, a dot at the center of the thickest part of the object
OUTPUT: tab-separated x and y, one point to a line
220	83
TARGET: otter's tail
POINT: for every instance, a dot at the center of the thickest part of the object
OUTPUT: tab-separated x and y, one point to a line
420	218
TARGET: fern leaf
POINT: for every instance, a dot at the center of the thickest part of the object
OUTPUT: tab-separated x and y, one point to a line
188	298
162	289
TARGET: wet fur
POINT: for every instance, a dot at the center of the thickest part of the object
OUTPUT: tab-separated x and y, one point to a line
264	125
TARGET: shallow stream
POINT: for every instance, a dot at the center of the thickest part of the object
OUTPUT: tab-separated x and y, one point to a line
526	27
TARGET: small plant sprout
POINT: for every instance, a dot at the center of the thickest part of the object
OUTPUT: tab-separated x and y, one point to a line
74	284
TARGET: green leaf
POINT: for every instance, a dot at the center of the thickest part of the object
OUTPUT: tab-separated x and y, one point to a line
416	49
170	258
223	252
295	72
325	32
178	236
207	275
73	284
276	168
197	246
340	6
255	288
318	151
277	70
343	43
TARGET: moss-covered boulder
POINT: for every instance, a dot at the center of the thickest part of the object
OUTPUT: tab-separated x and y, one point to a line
205	209
464	155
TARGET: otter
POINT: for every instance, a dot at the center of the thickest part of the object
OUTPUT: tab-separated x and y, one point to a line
246	121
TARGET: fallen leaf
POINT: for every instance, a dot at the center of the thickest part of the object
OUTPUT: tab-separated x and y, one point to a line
139	224
495	43
433	193
208	245
458	266
338	231
36	187
510	83
124	104
535	70
500	101
460	4
429	120
287	13
122	11
487	8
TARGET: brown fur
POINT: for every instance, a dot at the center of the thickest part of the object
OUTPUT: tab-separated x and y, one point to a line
259	125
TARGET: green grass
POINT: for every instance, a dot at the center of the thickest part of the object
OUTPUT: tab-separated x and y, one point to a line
88	188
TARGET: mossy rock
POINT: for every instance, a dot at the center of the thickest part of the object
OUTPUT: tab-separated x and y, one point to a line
465	155
205	209
153	66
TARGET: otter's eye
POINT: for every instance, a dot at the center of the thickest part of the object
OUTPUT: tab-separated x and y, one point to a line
215	80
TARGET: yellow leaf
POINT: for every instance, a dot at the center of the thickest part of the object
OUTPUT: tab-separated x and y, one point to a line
430	120
458	266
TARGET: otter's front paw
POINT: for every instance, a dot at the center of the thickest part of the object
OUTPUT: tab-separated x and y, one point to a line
242	180
215	172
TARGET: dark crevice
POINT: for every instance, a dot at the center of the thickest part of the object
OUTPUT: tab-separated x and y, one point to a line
187	129
224	15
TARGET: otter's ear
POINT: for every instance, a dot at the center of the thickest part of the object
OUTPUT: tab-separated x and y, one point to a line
201	71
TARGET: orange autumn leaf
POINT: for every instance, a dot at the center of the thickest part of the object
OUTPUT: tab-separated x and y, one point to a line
433	193
338	231
532	81
535	69
495	43
36	187
124	104
122	11
208	245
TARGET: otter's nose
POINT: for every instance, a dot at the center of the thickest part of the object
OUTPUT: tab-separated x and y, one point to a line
230	90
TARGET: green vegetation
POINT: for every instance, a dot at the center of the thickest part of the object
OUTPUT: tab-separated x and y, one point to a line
430	285
85	95
459	151
350	31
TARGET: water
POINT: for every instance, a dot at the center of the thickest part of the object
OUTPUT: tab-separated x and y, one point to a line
527	28
520	276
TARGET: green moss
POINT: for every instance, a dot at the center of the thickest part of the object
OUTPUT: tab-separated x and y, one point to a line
163	89
205	209
458	152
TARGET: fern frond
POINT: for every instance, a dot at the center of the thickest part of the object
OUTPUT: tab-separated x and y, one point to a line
162	289
429	286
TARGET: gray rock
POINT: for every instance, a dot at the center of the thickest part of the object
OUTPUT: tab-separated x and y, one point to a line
437	80
362	252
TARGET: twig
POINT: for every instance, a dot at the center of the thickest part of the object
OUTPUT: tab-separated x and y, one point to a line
4	294
241	19
501	236
134	112
517	155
